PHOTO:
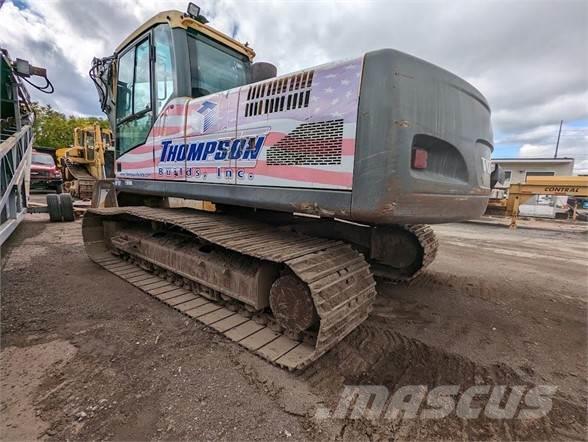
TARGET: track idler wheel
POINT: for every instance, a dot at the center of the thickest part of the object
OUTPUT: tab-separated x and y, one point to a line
292	304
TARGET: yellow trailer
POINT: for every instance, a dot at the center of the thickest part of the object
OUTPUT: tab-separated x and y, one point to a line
576	186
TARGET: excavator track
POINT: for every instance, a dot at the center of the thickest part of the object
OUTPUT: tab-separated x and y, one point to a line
338	278
427	246
428	241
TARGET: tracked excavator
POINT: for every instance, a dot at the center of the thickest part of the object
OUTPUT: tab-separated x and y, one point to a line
89	159
321	179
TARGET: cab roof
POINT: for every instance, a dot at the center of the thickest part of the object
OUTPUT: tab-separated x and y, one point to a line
177	19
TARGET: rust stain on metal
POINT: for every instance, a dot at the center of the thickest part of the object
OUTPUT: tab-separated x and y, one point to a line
388	209
307	207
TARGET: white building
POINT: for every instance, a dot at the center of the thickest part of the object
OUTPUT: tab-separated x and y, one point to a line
518	169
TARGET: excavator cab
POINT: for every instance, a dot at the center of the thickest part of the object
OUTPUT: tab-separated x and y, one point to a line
173	54
90	142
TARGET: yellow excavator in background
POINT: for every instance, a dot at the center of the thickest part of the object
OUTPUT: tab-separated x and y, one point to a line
89	159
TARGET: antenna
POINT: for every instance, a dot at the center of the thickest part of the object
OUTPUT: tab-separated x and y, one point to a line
558	135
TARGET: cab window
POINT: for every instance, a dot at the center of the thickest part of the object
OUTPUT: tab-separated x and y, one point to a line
124	94
214	67
133	110
142	83
88	139
43	159
106	140
164	66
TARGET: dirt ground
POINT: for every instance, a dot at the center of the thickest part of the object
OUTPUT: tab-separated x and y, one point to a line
87	356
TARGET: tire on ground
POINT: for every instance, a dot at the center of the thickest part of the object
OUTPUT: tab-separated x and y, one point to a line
67	210
54	208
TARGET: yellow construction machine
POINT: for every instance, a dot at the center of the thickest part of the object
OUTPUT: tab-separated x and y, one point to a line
89	159
520	193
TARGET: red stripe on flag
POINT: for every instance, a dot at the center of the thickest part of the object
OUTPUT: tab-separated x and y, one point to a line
167	131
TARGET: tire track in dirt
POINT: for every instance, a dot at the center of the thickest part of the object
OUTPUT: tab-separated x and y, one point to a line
469	286
372	355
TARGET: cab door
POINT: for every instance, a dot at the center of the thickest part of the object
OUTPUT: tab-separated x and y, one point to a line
134	111
146	111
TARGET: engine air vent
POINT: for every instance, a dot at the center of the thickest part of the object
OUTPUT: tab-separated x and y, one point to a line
281	94
310	144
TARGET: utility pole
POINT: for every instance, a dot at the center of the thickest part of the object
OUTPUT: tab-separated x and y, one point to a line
558	135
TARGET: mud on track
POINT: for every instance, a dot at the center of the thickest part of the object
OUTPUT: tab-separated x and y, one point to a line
492	309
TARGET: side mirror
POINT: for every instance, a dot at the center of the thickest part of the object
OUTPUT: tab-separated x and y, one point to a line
497	177
263	71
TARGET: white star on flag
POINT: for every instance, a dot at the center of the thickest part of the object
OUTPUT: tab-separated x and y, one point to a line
336	115
329	90
345	82
331	76
334	102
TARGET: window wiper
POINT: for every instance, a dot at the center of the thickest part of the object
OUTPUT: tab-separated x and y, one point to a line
135	116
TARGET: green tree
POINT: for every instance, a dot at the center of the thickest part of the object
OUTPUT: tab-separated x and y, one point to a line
53	129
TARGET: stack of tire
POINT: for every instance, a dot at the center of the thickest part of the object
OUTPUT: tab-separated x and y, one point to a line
60	207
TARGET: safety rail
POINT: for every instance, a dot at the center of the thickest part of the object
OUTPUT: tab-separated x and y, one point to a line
16	141
15	160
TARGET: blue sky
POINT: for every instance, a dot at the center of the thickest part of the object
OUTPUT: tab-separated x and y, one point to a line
512	150
529	58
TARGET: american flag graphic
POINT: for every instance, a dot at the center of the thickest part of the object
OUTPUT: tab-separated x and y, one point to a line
335	92
334	95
